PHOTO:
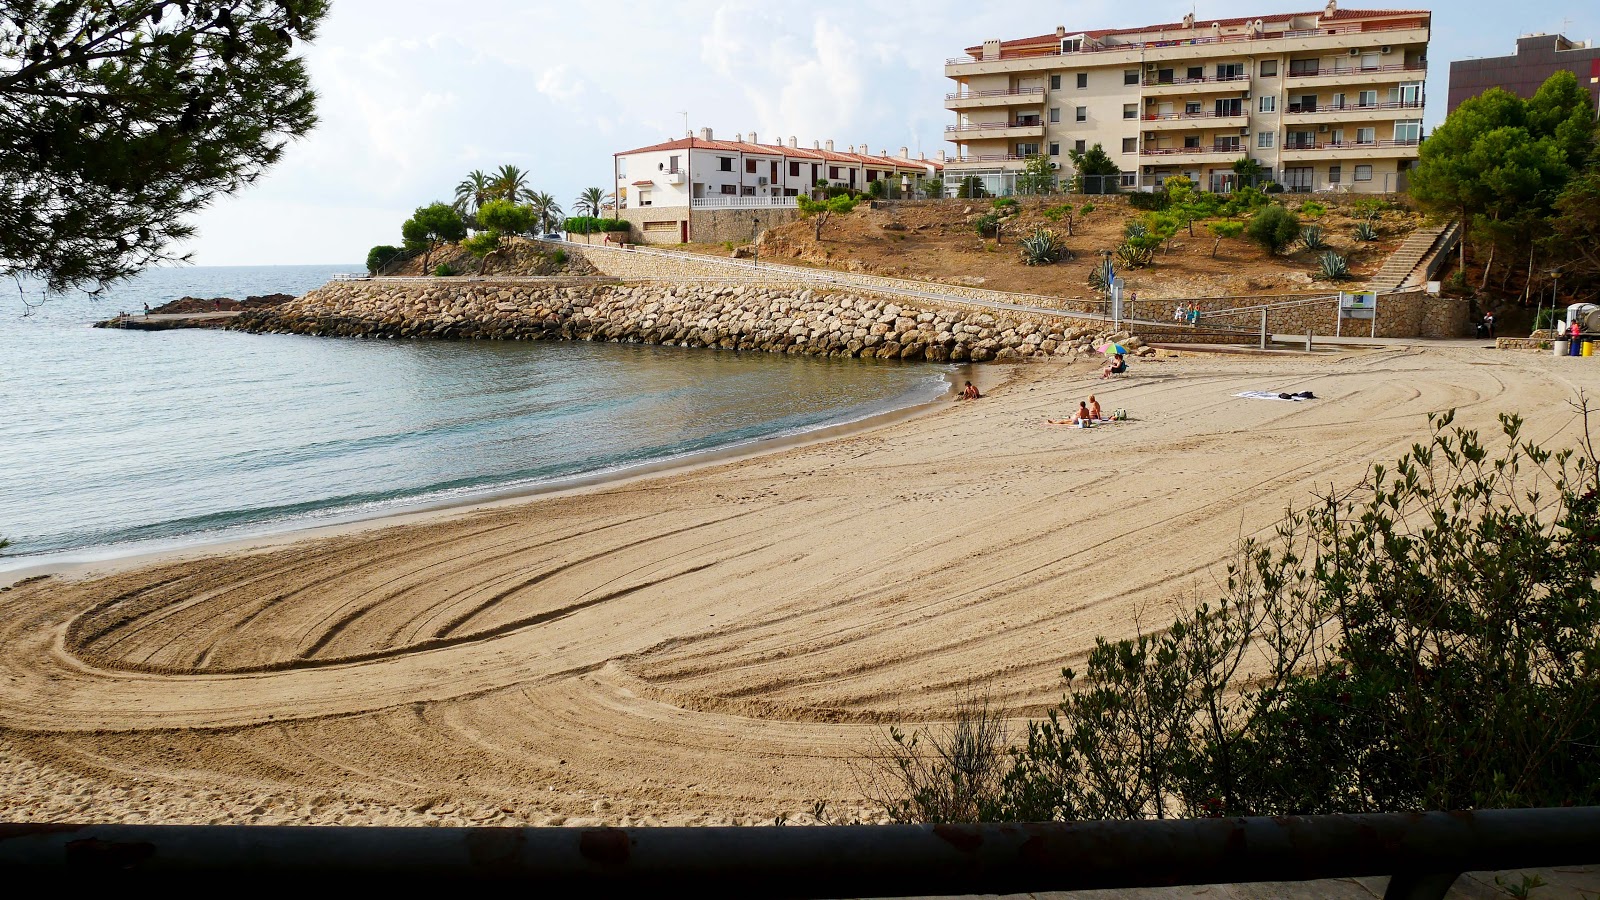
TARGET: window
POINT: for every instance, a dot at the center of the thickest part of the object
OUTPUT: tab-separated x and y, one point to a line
1338	101
1055	148
667	226
622	167
1269	68
1163	76
1130	145
1408	130
644	198
1130	76
794	170
724	163
1191	108
1130	110
1298	180
750	166
1071	45
1337	136
1055	82
1227	144
1027	149
1079	146
1335	174
872	175
816	169
1369	60
1300	140
1191	142
1363	173
1264	140
1130	179
1269	104
1055	114
729	189
1303	66
1083	80
1366	135
749	190
1367	98
1081	114
1229	71
833	172
672	164
1232	106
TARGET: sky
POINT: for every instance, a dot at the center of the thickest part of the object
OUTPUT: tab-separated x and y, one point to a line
412	96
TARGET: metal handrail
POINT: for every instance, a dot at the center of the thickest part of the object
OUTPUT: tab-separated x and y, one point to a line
1204	79
993	126
1171	151
1012	92
1353	28
1362	70
1300	109
1349	145
1423	853
1152	117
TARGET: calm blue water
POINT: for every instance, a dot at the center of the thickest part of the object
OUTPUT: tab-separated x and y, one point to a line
121	441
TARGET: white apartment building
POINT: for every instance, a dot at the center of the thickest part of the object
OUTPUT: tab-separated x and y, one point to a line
1330	100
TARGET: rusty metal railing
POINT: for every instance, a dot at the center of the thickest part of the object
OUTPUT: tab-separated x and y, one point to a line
1422	852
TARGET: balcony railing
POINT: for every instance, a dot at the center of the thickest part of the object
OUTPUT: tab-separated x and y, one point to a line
1352	28
1013	92
1301	108
1204	79
991	126
1360	70
743	202
987	157
1179	151
1152	117
1347	145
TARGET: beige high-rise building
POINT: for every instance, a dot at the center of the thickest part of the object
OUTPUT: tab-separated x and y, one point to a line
1330	100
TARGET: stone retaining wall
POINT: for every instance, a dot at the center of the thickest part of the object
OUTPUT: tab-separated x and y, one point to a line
777	318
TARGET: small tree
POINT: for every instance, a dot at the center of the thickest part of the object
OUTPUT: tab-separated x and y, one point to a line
1037	177
430	226
506	217
878	189
820	211
972	188
379	256
933	188
1097	173
482	245
1274	228
1248	170
1222	230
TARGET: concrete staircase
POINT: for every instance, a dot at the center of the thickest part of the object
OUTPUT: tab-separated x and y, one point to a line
1416	259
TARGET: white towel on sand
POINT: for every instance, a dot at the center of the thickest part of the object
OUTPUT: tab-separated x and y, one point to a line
1265	395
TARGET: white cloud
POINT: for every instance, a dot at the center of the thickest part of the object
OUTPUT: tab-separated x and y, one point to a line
559	83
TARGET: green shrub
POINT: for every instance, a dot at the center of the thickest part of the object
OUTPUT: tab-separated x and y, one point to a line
1005	204
878	189
380	256
1042	248
1133	255
1333	267
971	188
1135	228
933	188
1369	207
1312	208
1086	209
1056	213
1274	228
1366	231
1243	200
1545	318
1272	187
1148	200
986	224
559	257
1221	230
443	269
1427	639
1313	238
1100	275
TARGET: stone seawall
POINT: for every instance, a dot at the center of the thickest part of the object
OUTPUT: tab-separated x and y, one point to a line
776	318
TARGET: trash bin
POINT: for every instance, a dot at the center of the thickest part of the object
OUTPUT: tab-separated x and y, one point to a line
1576	346
1560	347
1588	347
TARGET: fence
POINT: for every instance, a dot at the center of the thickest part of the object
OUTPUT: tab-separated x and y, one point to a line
743	203
1423	853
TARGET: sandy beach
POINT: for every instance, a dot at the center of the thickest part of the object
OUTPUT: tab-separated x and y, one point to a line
707	646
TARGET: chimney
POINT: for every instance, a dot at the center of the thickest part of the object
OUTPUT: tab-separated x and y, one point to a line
829	145
941	156
922	154
1333	7
793	143
1061	31
864	150
816	145
738	137
705	134
753	138
1188	20
991	49
904	154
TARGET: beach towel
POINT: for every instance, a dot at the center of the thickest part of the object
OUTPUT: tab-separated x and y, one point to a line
1276	395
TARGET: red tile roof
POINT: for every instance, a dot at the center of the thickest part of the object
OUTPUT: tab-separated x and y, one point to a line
1050	40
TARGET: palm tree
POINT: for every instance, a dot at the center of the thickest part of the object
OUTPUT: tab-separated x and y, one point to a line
590	201
473	191
511	183
545	210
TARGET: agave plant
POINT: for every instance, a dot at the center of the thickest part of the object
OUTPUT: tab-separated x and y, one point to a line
1100	276
1043	247
1313	237
1333	266
1366	231
1135	229
1135	256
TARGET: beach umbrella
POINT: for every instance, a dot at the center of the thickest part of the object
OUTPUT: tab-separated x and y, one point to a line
1111	347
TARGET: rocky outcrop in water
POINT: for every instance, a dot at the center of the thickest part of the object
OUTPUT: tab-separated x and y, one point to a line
771	318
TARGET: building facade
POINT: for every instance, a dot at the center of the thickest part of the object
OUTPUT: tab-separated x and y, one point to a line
1538	57
682	190
1324	101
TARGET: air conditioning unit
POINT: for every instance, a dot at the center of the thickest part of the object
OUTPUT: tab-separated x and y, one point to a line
1246	95
1355	51
1387	50
1150	67
761	182
1323	129
1244	131
1149	135
1055	165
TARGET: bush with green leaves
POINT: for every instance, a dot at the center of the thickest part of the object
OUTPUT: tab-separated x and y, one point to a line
1272	187
482	245
933	188
986	225
1221	230
1148	200
877	189
593	225
505	217
971	188
1369	208
1086	209
1056	213
1132	254
429	227
1274	228
1313	209
444	270
559	257
1100	276
1005	204
1043	247
1366	231
1429	639
821	211
1243	200
1333	267
380	256
1312	237
1135	228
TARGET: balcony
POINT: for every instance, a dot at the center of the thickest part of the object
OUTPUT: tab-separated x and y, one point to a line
1354	112
1298	150
982	160
1181	121
1030	127
1344	75
1208	153
730	202
977	99
674	176
1154	87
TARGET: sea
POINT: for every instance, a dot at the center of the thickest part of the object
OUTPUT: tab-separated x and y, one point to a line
118	442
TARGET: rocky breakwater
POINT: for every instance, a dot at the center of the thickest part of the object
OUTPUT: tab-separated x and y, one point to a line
773	318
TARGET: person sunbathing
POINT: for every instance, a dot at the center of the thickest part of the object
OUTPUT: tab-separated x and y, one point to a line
1081	417
1116	366
1094	408
970	392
